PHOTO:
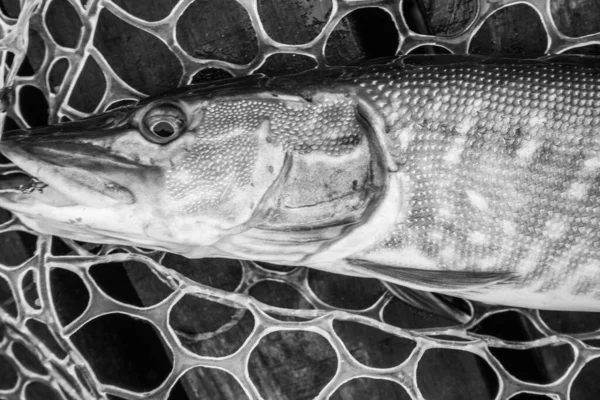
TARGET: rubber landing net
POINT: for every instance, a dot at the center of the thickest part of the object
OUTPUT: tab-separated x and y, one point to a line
269	332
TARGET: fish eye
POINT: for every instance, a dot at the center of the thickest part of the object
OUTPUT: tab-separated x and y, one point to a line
163	123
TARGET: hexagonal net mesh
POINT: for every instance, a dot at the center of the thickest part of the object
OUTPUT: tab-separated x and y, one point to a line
228	329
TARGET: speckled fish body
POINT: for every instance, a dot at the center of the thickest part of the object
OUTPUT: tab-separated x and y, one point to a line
463	175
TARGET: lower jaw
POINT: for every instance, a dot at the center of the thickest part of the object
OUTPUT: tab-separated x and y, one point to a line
70	229
65	229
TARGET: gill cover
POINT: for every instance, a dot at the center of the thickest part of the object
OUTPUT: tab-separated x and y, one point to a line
222	171
338	192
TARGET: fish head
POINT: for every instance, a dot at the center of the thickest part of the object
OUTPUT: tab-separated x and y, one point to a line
251	175
167	174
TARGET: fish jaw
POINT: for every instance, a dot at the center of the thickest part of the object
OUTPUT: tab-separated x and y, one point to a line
67	163
80	186
72	185
88	200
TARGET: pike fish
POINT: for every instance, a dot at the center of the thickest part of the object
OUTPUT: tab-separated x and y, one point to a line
462	175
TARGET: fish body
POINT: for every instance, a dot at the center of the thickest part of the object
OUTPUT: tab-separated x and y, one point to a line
472	176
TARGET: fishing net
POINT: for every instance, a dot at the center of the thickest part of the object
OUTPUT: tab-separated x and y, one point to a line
82	321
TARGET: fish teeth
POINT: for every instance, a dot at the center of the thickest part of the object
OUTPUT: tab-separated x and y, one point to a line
33	185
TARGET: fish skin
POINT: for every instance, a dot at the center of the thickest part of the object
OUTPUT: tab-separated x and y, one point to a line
449	164
504	176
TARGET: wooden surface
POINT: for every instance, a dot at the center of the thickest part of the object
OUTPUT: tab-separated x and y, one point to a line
286	366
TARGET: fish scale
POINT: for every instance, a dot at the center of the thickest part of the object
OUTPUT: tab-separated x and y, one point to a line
503	163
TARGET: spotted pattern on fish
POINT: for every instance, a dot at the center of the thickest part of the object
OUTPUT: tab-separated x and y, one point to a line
494	146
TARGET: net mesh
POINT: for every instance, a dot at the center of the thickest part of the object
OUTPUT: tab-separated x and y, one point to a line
251	334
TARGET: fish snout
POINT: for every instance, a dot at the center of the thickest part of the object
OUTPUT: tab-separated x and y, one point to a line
68	131
68	164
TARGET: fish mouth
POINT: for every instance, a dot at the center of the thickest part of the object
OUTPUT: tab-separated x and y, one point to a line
14	180
61	172
17	186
